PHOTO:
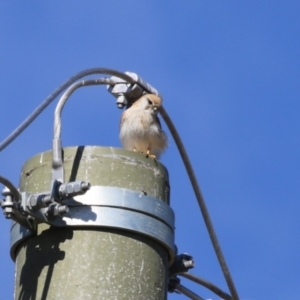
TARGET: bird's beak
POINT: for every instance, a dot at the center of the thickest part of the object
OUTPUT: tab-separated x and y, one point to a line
155	108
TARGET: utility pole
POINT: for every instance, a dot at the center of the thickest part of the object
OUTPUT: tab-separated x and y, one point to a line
94	222
115	242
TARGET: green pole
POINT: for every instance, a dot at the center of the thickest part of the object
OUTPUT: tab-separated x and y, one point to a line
117	250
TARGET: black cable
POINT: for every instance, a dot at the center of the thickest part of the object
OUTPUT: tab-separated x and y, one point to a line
185	291
206	284
11	187
201	202
54	94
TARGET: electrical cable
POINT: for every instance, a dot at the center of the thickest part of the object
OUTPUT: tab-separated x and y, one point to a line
206	284
11	187
57	160
201	202
68	93
54	94
185	291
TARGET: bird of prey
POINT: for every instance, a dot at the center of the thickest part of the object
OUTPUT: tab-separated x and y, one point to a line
140	128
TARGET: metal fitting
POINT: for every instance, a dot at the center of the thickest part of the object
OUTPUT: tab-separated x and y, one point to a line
8	204
36	202
57	210
173	283
121	101
72	189
181	264
6	192
143	84
125	92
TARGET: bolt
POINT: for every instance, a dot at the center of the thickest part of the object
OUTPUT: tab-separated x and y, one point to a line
8	212
182	263
47	200
189	264
72	189
85	186
8	204
121	101
32	201
62	209
57	210
6	192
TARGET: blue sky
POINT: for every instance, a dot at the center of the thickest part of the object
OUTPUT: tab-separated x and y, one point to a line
229	73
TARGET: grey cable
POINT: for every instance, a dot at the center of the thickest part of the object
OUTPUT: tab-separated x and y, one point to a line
206	284
185	291
54	94
201	203
57	158
67	94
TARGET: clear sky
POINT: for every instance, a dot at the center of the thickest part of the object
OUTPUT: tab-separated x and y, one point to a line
229	73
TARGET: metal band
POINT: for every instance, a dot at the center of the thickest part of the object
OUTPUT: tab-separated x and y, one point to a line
119	208
18	234
118	218
126	199
123	209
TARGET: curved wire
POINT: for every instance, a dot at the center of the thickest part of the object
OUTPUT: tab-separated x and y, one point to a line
67	94
185	291
11	187
57	159
206	284
201	202
54	94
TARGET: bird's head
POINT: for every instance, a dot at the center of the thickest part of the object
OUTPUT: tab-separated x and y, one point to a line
149	102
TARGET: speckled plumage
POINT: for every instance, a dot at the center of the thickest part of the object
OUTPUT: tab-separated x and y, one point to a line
140	128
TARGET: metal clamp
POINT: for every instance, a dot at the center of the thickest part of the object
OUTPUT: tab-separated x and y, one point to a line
108	207
45	206
122	209
126	93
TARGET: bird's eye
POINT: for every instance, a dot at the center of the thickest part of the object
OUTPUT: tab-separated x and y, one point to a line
150	102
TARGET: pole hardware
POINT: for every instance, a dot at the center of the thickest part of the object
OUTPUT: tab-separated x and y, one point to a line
46	206
8	205
173	283
56	210
106	207
126	93
99	207
41	207
182	263
12	208
72	189
175	286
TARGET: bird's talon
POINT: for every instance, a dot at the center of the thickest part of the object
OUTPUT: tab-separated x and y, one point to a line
150	155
